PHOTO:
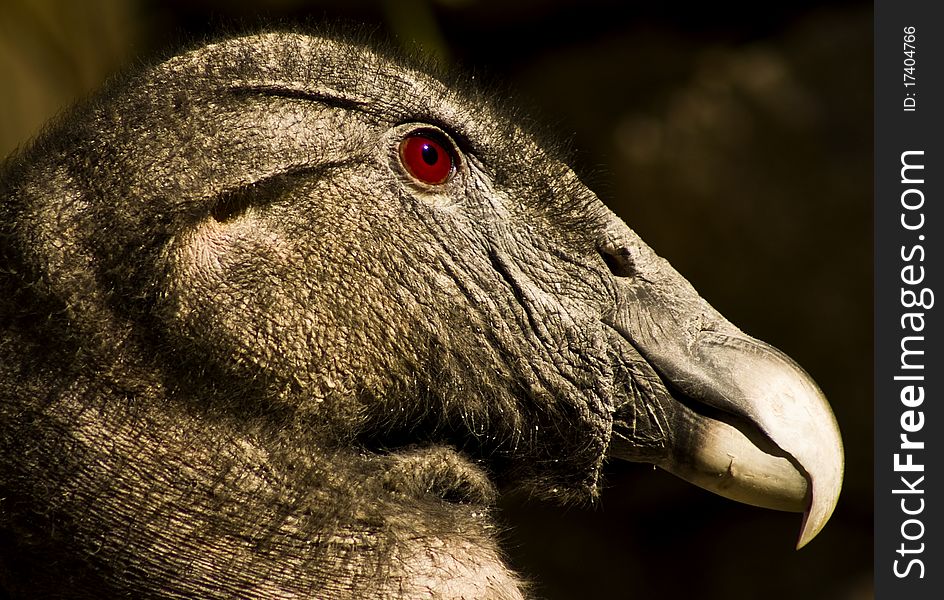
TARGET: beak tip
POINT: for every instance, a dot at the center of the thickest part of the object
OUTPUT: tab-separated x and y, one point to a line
809	530
796	417
825	495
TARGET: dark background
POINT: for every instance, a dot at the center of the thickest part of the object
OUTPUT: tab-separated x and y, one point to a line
735	139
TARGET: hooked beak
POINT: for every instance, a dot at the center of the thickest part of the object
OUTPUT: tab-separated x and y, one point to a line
742	420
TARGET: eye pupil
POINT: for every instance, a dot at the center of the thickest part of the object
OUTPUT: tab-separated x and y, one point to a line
426	159
430	155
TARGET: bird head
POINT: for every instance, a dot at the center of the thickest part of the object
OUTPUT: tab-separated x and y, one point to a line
377	256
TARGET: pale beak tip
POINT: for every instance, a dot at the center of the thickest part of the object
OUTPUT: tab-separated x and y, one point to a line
825	487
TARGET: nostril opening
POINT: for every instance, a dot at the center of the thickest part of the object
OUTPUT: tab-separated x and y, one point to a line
619	261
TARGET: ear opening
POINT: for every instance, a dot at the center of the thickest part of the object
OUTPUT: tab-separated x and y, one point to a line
231	205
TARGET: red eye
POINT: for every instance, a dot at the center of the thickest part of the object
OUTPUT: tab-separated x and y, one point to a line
426	159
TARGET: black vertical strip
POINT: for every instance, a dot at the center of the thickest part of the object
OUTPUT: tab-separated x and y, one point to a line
909	299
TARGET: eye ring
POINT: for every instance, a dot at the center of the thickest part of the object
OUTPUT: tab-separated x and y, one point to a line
428	157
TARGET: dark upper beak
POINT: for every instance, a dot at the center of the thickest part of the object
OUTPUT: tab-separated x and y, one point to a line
745	421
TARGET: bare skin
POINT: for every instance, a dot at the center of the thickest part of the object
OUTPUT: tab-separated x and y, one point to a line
250	349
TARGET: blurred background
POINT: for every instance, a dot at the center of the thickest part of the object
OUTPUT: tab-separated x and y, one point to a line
736	139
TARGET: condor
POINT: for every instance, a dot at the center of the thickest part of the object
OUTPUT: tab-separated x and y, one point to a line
282	315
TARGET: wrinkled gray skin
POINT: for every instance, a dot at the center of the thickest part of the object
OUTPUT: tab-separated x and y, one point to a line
245	353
